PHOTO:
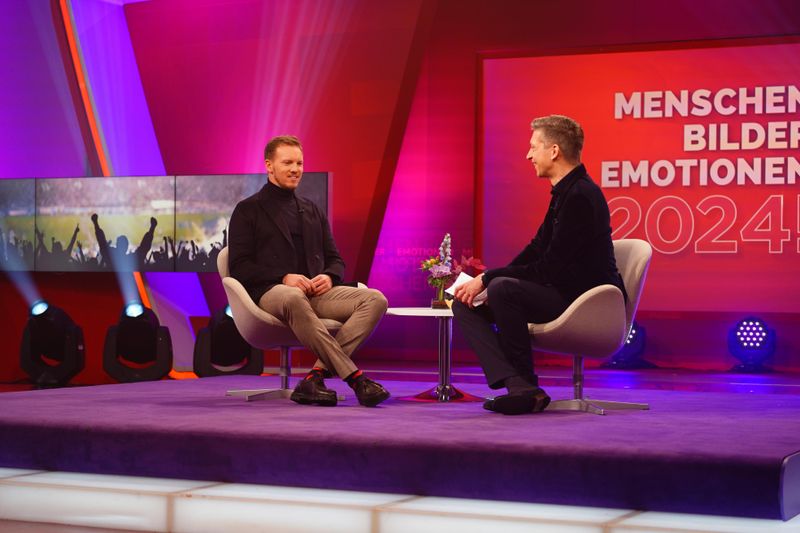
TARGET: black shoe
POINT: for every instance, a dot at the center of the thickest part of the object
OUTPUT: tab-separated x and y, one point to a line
518	404
368	392
312	390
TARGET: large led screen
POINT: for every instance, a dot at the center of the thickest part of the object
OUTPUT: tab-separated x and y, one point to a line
17	234
90	224
696	150
204	205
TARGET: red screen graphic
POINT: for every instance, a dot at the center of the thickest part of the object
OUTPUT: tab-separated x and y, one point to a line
696	151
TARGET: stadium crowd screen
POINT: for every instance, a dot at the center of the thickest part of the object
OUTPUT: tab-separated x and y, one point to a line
146	223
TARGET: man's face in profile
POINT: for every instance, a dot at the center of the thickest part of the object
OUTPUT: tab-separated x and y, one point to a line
285	169
539	155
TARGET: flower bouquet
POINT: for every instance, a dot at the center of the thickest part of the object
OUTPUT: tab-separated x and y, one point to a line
440	272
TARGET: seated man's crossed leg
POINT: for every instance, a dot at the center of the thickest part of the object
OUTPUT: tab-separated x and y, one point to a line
358	309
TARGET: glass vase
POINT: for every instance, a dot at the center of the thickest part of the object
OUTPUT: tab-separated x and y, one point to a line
439	302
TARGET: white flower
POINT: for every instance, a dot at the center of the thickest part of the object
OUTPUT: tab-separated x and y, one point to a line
444	251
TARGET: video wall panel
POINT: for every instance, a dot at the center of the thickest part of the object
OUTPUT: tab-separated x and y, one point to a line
204	206
144	223
17	224
90	224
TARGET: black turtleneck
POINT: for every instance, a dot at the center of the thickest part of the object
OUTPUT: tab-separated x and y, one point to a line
289	210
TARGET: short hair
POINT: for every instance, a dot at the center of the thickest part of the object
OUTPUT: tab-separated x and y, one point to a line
563	131
280	140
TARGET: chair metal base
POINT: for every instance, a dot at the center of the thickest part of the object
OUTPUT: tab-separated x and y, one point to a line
595	407
270	394
586	405
261	394
284	392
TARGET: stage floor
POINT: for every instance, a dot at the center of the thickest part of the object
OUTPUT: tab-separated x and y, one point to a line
721	453
652	378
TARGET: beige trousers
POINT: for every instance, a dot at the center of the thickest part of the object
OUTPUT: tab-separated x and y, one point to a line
358	309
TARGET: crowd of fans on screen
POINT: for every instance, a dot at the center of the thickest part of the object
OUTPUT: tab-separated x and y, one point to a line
22	254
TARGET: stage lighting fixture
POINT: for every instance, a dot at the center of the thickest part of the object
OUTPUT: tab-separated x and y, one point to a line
39	307
751	341
52	350
220	350
134	309
138	348
629	357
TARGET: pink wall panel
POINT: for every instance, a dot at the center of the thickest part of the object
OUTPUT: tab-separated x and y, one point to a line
222	78
434	189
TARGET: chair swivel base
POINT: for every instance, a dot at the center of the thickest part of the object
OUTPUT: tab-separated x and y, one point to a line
270	394
595	407
261	394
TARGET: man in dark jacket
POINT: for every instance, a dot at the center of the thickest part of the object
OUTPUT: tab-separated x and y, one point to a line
570	254
282	251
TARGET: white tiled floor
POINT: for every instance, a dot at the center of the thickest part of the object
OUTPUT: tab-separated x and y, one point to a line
147	504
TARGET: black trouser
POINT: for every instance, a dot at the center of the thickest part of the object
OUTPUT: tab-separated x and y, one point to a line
512	304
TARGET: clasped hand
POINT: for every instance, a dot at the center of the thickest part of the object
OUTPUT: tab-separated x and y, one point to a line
316	286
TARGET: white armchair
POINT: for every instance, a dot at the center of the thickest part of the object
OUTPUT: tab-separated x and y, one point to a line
262	330
596	325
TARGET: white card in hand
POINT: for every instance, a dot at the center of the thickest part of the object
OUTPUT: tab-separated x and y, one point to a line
462	279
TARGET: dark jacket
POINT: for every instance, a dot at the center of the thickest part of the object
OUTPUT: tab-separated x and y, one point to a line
261	251
572	249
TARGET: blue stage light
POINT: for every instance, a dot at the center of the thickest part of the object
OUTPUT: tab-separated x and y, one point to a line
751	341
629	357
635	335
134	309
52	350
138	348
39	307
219	349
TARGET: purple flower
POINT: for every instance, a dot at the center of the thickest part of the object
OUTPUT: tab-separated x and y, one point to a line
440	271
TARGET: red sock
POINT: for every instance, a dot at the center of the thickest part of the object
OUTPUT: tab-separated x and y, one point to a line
352	377
315	370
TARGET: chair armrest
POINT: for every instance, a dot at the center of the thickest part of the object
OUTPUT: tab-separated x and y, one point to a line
242	305
259	328
594	325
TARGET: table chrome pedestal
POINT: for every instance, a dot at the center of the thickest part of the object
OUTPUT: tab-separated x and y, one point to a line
444	391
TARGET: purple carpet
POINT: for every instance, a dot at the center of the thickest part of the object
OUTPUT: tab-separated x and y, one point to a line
696	452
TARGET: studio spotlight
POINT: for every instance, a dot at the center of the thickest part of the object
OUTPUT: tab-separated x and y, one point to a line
134	309
751	341
52	349
220	350
629	357
39	307
138	348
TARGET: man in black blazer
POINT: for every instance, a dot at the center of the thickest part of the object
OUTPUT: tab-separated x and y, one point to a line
282	251
571	253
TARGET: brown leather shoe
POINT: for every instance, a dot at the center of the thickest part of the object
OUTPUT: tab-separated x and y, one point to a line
369	393
312	390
